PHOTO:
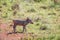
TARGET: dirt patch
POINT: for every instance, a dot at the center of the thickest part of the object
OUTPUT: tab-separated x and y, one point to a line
4	36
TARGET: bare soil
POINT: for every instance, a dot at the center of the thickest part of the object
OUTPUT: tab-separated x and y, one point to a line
4	34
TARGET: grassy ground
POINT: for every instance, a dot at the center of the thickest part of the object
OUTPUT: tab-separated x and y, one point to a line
44	13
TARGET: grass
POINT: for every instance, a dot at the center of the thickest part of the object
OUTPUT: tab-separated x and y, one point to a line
46	10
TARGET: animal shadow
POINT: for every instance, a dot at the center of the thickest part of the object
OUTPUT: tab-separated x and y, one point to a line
13	33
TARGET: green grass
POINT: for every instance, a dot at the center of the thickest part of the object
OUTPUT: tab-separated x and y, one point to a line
46	10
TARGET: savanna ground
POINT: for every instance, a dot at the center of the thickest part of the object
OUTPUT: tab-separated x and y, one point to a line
44	13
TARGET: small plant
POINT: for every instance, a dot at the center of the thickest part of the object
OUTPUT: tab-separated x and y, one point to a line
44	7
0	10
15	6
37	24
43	38
39	39
59	27
51	37
31	10
56	1
43	27
58	37
14	13
0	6
51	13
5	15
52	6
37	0
5	4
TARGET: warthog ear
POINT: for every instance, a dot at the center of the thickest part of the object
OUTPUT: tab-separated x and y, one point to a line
27	18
